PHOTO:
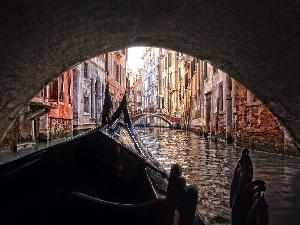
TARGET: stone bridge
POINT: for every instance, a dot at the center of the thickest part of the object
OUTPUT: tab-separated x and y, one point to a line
255	42
171	120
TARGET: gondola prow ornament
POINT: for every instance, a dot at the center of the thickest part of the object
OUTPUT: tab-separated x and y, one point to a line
247	202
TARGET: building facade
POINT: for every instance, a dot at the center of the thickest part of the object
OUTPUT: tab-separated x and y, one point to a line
89	87
150	76
47	117
90	81
174	85
255	126
135	92
73	102
212	103
58	123
116	75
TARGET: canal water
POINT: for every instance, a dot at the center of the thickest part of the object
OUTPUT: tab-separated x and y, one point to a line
210	167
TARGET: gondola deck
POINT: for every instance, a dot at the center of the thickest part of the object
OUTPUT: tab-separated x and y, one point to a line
104	176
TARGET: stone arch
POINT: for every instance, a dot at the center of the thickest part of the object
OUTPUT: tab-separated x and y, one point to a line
257	43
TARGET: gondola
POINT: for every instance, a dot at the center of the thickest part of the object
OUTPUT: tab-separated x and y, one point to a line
103	176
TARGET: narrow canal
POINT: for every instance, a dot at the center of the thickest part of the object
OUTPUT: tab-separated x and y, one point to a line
210	167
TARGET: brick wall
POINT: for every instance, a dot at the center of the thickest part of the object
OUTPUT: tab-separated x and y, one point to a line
255	126
60	128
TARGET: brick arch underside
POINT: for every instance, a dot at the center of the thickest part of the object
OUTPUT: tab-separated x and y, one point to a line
257	43
160	117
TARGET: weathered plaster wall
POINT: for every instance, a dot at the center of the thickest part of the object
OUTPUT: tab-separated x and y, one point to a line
60	117
257	42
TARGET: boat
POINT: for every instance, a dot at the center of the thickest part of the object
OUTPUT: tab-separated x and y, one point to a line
103	176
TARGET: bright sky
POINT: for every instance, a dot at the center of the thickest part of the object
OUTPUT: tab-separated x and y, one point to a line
134	57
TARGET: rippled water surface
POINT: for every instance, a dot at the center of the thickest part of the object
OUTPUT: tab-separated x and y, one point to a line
210	167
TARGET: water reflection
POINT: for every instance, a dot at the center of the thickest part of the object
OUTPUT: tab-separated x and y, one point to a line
211	165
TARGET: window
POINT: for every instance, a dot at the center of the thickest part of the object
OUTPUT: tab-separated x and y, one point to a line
179	74
120	73
166	62
205	70
182	91
186	81
169	58
147	83
53	90
92	105
251	97
86	104
180	94
193	67
117	73
85	70
221	97
42	93
115	70
98	93
214	69
138	98
69	87
61	88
